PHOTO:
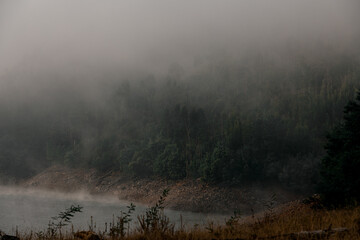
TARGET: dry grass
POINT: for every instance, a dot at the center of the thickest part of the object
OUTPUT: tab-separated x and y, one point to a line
273	224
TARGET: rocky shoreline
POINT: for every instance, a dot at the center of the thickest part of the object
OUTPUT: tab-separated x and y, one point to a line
185	195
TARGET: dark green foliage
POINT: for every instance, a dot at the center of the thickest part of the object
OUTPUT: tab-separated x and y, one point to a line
170	164
143	160
217	165
340	178
104	154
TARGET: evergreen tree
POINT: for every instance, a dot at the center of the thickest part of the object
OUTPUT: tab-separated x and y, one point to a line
340	178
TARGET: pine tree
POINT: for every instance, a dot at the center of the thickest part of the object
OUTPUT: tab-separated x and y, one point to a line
340	169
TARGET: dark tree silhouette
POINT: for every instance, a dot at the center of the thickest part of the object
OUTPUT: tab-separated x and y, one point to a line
340	172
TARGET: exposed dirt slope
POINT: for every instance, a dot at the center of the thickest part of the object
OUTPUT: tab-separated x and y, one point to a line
188	195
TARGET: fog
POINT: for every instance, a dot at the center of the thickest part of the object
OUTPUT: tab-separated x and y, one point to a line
75	43
80	35
81	195
85	72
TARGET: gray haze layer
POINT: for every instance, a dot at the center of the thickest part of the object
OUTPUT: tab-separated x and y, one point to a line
75	36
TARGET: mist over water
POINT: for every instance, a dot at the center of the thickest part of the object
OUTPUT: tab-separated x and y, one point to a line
31	210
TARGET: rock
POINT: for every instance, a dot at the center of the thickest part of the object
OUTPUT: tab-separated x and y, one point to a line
9	237
86	235
4	236
315	202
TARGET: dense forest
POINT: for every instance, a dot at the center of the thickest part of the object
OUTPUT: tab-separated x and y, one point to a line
261	116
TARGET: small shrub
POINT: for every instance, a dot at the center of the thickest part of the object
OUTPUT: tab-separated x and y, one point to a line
123	220
62	220
154	219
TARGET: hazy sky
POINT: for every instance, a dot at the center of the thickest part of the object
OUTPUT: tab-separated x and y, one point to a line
61	34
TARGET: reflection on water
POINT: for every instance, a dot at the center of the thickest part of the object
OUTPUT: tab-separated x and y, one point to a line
32	209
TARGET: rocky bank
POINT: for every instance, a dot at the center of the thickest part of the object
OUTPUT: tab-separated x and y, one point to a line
185	195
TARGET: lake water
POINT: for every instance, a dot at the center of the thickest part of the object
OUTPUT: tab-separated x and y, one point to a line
26	210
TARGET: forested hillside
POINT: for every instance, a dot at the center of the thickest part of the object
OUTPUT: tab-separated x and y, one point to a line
236	119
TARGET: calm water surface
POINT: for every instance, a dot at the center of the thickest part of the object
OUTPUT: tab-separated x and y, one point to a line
27	210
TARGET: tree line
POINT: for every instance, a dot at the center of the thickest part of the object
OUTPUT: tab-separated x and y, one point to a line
234	120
